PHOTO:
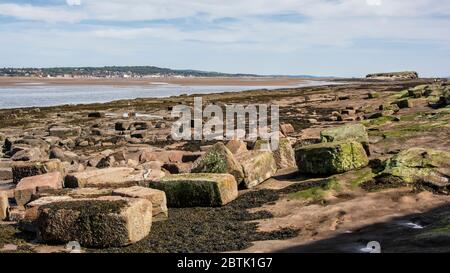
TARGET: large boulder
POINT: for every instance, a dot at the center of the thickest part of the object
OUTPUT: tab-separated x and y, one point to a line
31	154
258	166
157	197
284	155
331	158
197	189
25	169
419	166
218	159
347	132
111	221
29	185
108	177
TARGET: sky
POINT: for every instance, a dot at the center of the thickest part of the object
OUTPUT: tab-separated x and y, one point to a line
347	38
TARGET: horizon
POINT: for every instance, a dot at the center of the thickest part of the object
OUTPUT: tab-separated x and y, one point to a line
350	38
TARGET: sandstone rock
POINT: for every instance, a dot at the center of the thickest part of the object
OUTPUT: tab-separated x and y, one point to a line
96	115
405	103
157	197
258	166
26	169
32	154
287	129
58	153
4	206
103	222
199	189
373	95
122	125
177	168
237	146
64	132
331	158
420	166
6	173
355	132
284	155
218	159
29	185
108	177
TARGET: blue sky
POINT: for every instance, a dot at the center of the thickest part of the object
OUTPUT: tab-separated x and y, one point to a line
319	37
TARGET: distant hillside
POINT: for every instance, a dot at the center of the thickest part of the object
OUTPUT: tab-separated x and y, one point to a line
113	71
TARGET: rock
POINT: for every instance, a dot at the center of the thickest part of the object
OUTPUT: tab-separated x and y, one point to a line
96	115
287	129
237	146
58	153
407	75
4	206
218	159
122	126
108	177
197	190
157	197
106	162
405	103
420	166
6	174
32	154
177	168
373	95
284	155
64	132
29	185
355	132
331	158
25	169
258	166
103	222
389	107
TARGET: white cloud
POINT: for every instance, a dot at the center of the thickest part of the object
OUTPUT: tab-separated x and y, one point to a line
73	2
39	13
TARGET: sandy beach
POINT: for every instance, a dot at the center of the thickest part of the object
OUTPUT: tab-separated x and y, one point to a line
219	81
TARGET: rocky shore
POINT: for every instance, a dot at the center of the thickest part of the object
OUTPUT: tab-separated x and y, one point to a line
110	177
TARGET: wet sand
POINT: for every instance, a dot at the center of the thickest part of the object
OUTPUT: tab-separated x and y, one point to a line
218	81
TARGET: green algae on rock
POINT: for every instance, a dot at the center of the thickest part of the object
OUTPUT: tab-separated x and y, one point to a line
219	159
331	158
197	189
103	222
426	167
355	132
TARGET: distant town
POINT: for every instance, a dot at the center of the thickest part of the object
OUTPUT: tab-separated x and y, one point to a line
110	72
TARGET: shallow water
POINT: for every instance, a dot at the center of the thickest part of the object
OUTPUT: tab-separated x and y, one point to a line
39	95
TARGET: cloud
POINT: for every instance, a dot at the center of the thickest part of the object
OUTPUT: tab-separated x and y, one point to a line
40	13
73	2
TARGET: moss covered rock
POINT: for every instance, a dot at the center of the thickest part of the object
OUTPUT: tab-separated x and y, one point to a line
218	159
284	155
197	189
103	222
331	158
258	166
418	165
347	132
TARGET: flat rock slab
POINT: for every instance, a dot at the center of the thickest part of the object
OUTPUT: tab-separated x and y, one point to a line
331	158
29	185
197	190
108	177
111	221
157	197
6	173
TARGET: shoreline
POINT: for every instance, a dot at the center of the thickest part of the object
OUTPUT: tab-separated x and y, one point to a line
197	81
